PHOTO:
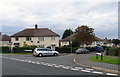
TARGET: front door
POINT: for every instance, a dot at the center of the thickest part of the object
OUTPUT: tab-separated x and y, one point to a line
53	47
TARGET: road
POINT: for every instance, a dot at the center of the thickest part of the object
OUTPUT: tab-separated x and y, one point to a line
29	65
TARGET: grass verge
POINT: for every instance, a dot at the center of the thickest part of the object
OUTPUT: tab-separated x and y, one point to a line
109	60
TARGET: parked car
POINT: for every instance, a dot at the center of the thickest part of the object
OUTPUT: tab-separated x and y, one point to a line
82	50
44	52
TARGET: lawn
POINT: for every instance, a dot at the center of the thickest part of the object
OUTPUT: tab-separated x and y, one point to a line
18	53
109	60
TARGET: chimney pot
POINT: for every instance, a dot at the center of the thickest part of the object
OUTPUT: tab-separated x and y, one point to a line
35	26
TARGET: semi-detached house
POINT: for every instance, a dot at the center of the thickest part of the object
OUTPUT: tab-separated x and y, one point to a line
41	37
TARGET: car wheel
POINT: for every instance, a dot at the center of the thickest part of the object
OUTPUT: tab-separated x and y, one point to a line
55	54
40	55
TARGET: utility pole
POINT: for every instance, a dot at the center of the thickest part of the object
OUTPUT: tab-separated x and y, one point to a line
71	40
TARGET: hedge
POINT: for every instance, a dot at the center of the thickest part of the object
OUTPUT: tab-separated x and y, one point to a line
91	49
22	49
66	49
4	50
113	51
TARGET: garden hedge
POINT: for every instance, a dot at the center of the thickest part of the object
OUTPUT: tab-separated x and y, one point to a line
22	49
113	51
4	50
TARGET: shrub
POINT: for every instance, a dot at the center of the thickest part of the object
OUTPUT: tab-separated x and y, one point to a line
22	49
49	47
4	49
66	49
114	51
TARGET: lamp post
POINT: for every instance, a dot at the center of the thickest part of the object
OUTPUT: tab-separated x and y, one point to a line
71	40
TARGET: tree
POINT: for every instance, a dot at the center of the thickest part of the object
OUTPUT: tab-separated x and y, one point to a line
116	41
84	35
67	33
75	43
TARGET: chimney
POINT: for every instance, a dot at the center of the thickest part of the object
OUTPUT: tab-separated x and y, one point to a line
106	38
36	26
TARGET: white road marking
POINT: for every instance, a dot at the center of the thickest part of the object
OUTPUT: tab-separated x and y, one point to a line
37	62
62	65
25	60
111	74
54	64
74	69
65	67
49	65
97	72
78	67
85	70
57	66
69	66
11	58
29	61
22	60
44	64
88	69
33	62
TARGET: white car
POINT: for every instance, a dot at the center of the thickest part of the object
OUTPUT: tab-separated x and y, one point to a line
44	51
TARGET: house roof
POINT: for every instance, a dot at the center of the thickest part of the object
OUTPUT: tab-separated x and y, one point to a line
32	32
5	38
107	40
98	39
69	38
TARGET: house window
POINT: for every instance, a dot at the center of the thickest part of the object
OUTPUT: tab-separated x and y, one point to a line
28	39
52	38
65	42
16	39
41	46
41	38
16	44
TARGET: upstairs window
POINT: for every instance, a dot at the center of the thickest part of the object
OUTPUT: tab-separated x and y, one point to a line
28	39
16	39
41	38
52	38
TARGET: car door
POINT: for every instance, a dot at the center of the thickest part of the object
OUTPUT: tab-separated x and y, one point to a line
49	52
45	52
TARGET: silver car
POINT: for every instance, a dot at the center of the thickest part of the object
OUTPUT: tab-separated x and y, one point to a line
44	51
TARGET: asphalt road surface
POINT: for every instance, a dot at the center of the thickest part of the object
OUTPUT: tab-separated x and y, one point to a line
29	65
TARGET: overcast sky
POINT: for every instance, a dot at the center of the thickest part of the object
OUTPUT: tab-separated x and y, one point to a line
59	15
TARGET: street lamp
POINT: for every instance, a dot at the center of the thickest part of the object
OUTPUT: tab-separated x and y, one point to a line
71	39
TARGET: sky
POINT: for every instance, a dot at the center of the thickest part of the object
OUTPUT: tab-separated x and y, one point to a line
58	15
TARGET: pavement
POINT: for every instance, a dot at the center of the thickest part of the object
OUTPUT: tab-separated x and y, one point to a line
50	65
83	60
